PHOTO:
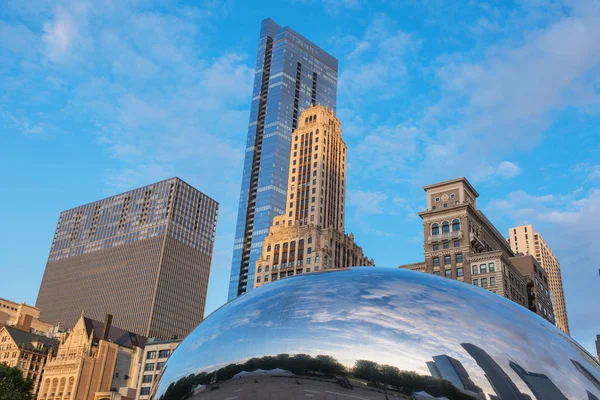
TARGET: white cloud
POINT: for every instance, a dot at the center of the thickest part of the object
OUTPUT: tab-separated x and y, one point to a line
61	33
504	170
365	203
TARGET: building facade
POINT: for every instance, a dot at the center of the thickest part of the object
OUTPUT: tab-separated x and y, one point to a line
461	243
156	354
539	296
26	351
291	74
309	236
24	317
94	361
524	239
143	256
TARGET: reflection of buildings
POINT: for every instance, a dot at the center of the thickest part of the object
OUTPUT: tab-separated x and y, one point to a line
310	235
291	74
525	239
26	351
461	243
143	255
450	369
538	296
94	361
540	385
588	374
500	381
156	354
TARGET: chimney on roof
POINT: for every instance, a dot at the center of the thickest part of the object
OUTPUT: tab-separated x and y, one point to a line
106	328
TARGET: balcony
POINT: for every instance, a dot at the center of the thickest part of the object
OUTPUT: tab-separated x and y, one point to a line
445	236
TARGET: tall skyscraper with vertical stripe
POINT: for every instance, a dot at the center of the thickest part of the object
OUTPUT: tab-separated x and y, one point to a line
291	74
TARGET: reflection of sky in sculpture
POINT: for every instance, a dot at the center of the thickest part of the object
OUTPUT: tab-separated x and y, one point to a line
396	317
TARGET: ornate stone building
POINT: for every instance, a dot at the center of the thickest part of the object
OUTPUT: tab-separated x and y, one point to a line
310	235
26	351
524	239
461	243
95	361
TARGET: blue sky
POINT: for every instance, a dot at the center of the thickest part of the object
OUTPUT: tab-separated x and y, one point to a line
96	99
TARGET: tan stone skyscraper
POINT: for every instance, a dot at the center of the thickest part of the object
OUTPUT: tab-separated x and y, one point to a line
524	239
310	235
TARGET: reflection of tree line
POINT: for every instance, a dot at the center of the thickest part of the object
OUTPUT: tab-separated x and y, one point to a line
383	376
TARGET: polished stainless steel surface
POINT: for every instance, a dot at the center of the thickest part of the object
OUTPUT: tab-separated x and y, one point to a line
377	333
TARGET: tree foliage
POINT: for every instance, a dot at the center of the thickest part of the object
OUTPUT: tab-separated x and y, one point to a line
13	386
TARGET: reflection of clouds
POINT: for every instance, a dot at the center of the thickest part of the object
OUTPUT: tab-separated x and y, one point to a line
394	317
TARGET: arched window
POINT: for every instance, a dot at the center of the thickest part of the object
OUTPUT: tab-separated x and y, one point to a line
435	229
70	386
314	118
456	225
306	120
269	248
445	227
309	239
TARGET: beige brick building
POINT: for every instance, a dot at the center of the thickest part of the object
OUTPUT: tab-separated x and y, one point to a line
539	295
524	239
461	243
95	361
23	316
26	351
310	235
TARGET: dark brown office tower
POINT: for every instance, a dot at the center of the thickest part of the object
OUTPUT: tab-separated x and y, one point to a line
143	256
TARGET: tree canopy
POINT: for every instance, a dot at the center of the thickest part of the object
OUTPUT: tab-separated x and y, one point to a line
13	386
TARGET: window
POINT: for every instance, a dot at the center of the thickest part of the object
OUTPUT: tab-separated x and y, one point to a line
309	250
446	245
448	273
475	270
492	268
258	279
317	268
483	282
145	390
475	282
149	367
436	247
160	365
459	272
445	227
492	281
447	260
309	239
456	243
483	268
436	272
456	225
308	260
452	196
437	199
459	258
436	261
307	269
317	259
259	270
151	355
435	229
147	379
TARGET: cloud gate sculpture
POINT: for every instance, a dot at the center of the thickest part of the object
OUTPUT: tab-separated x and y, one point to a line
376	333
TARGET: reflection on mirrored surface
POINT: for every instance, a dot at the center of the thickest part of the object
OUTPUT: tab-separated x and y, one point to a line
377	333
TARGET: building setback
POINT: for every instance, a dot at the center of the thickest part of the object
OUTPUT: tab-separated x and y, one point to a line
539	297
461	243
524	239
309	236
143	256
291	74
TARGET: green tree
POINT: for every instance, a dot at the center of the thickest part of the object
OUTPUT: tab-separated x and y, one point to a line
12	384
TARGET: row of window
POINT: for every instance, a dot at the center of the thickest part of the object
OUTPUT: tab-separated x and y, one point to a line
483	268
161	354
435	228
283	274
151	366
448	260
448	272
446	245
484	282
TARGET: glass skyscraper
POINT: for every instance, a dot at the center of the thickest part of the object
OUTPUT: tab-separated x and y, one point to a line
291	74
